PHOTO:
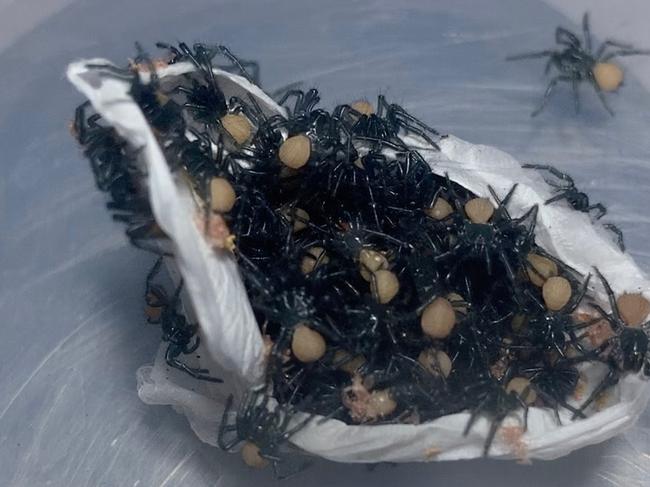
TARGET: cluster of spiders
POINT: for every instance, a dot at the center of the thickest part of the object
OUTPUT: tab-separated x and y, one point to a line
386	293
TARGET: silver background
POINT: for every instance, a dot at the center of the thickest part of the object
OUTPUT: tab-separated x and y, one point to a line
71	327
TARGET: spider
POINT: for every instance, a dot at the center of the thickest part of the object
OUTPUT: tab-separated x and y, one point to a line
110	160
180	55
207	102
575	63
163	113
288	304
177	331
486	232
493	400
626	351
263	427
115	172
554	329
385	125
142	230
313	134
578	200
304	103
554	383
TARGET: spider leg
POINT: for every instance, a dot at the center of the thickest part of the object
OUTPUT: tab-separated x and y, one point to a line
474	416
608	381
554	171
494	427
601	96
626	52
310	101
79	125
488	259
532	215
421	133
619	235
586	32
548	65
547	94
278	92
555	402
225	428
530	55
149	247
506	264
192	348
501	204
573	304
602	211
508	196
298	94
610	43
557	197
255	78
172	361
610	295
399	111
576	95
566	37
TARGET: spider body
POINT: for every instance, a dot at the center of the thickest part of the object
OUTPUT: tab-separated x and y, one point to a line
627	351
575	63
501	239
265	428
107	151
550	329
207	103
554	382
384	126
116	172
491	399
578	200
177	331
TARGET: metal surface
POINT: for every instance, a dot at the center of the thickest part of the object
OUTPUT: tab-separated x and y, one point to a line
72	331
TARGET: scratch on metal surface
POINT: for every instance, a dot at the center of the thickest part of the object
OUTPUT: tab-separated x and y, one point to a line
611	481
51	354
176	469
621	458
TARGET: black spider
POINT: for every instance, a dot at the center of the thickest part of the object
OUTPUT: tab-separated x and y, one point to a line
304	103
177	331
116	172
285	301
550	330
555	382
163	113
627	351
264	427
500	238
238	65
578	200
383	128
492	400
575	62
112	163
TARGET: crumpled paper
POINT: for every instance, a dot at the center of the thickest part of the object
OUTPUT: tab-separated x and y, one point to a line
232	344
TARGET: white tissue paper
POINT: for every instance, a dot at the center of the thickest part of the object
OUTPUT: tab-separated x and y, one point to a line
232	344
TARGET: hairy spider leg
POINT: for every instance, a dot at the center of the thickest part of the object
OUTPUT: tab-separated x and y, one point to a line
586	32
618	233
547	94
